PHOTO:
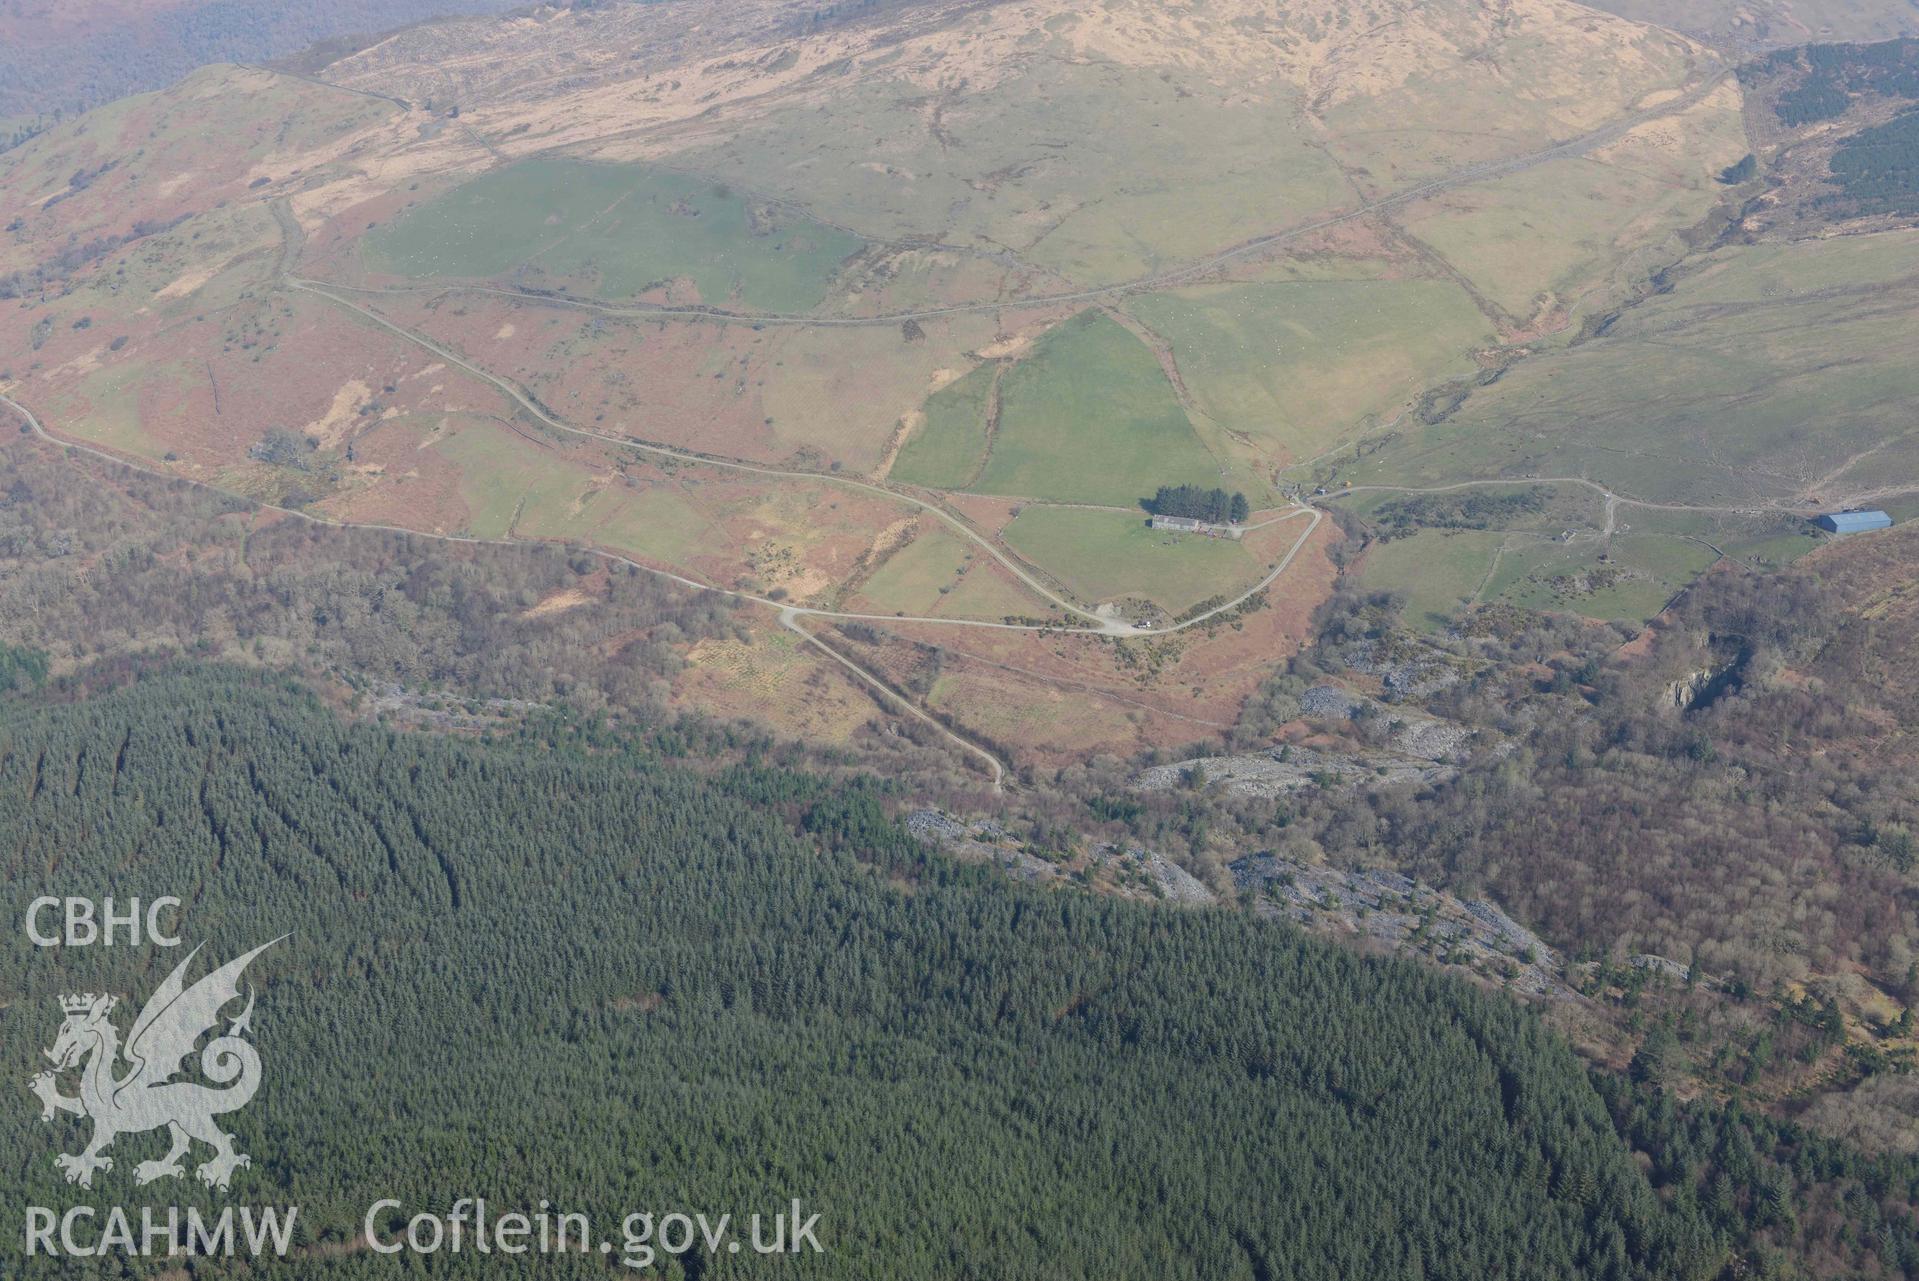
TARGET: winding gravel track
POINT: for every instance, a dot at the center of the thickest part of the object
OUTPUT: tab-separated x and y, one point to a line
789	620
1099	624
520	397
788	613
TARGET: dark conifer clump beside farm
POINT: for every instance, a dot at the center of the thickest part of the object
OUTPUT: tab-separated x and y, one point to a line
1214	506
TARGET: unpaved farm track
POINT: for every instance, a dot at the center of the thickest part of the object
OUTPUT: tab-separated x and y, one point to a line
1099	625
788	613
789	620
530	405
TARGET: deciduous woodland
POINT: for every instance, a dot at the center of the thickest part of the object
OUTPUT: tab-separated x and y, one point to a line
102	561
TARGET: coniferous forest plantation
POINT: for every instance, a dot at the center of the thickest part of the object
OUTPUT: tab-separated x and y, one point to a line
589	974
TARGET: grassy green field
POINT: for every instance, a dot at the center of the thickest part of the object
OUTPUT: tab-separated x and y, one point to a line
615	230
1532	233
840	390
914	578
511	487
1100	556
112	407
1903	508
1442	572
1438	571
1774	372
1116	143
499	472
947	450
987	591
1767	541
1643	573
1571	227
1132	179
1089	417
1300	365
1761	272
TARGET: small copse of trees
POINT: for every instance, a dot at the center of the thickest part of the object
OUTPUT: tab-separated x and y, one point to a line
1214	506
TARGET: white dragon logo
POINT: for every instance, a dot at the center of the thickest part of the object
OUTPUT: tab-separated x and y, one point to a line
146	1097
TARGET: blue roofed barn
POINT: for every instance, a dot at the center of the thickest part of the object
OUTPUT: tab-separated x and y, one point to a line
1853	522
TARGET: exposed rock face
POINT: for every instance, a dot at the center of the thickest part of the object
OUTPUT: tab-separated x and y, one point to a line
1400	913
1378	906
1663	964
1404	675
988	841
980	841
1284	770
1175	882
1683	692
1421	750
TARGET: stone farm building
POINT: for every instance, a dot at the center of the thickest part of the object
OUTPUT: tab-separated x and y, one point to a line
1193	525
